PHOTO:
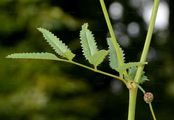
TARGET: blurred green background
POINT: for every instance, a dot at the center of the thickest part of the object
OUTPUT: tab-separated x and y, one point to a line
49	90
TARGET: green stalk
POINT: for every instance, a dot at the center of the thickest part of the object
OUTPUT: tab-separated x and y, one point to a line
111	31
93	69
132	103
152	112
148	40
133	92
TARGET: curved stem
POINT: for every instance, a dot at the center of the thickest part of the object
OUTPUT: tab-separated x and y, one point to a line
99	71
142	90
93	69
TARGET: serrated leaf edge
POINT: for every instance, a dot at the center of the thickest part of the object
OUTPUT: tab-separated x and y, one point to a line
87	47
42	55
58	46
114	62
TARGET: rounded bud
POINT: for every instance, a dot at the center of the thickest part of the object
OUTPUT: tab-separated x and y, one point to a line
148	97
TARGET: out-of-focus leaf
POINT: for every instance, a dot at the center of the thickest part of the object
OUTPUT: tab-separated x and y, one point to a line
46	56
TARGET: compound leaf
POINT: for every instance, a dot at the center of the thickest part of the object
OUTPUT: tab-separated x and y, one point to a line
88	43
59	47
98	57
45	56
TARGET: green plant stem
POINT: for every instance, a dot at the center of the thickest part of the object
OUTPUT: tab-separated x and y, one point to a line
132	101
142	90
93	69
152	111
148	40
111	31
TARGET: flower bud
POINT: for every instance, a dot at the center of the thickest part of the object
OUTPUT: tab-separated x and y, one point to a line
148	97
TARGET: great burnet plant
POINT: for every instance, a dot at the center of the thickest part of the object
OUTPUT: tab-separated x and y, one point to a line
131	73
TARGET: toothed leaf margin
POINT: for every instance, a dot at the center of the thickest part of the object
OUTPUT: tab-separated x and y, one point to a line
113	58
88	44
59	47
45	56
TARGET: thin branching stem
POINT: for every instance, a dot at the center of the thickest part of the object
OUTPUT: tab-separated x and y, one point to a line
93	69
142	90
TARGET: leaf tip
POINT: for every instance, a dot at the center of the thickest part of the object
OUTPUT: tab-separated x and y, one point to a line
85	26
40	29
9	56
